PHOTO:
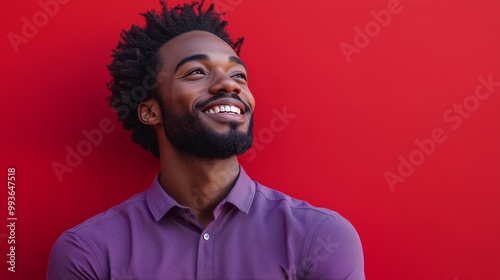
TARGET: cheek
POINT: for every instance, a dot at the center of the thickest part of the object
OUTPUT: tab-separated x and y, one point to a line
251	100
181	97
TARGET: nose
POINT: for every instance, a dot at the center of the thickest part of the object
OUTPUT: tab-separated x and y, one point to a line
224	84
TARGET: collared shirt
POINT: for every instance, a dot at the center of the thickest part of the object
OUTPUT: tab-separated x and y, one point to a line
257	233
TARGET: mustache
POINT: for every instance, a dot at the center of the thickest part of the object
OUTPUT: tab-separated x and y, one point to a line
203	104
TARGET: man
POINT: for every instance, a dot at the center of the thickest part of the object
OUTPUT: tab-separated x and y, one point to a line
202	217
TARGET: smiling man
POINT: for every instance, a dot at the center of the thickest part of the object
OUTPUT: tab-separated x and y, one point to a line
202	217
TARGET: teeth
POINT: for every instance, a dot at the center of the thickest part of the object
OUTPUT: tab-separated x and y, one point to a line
230	109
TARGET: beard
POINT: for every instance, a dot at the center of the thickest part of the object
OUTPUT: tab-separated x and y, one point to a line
190	135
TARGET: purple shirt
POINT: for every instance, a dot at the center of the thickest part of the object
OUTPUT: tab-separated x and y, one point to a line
257	233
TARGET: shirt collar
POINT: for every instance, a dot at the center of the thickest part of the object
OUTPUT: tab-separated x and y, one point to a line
242	193
159	202
241	196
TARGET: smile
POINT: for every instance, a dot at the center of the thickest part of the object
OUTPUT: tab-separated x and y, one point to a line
226	109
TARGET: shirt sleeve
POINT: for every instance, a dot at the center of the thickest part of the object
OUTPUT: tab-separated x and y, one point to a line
335	251
72	258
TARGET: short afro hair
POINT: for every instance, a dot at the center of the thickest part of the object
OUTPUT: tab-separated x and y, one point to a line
136	61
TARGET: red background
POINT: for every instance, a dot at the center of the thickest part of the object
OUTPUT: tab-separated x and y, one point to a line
353	120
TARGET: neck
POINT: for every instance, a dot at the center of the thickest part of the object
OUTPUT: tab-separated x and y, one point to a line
199	184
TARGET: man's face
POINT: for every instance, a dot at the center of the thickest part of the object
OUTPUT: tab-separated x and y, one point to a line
206	104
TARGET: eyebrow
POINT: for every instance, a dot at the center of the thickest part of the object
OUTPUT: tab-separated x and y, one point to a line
237	60
205	57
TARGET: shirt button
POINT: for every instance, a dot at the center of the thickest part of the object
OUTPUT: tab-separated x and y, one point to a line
206	236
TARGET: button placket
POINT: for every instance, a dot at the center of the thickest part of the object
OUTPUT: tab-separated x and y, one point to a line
205	263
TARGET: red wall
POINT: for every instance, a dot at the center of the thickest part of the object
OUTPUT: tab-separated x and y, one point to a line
394	124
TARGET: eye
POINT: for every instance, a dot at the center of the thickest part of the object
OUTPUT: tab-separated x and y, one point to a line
240	76
196	71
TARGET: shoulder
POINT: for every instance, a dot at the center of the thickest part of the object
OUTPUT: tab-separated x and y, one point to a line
331	245
275	199
80	252
114	216
325	220
333	252
99	230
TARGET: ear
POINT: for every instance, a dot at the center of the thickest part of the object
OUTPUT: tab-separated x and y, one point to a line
149	112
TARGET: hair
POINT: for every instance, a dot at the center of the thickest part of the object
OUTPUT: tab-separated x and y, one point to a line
136	60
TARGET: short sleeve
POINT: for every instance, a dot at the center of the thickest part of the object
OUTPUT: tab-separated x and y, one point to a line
72	258
334	252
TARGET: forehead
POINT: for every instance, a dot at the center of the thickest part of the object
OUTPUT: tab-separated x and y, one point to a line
191	43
